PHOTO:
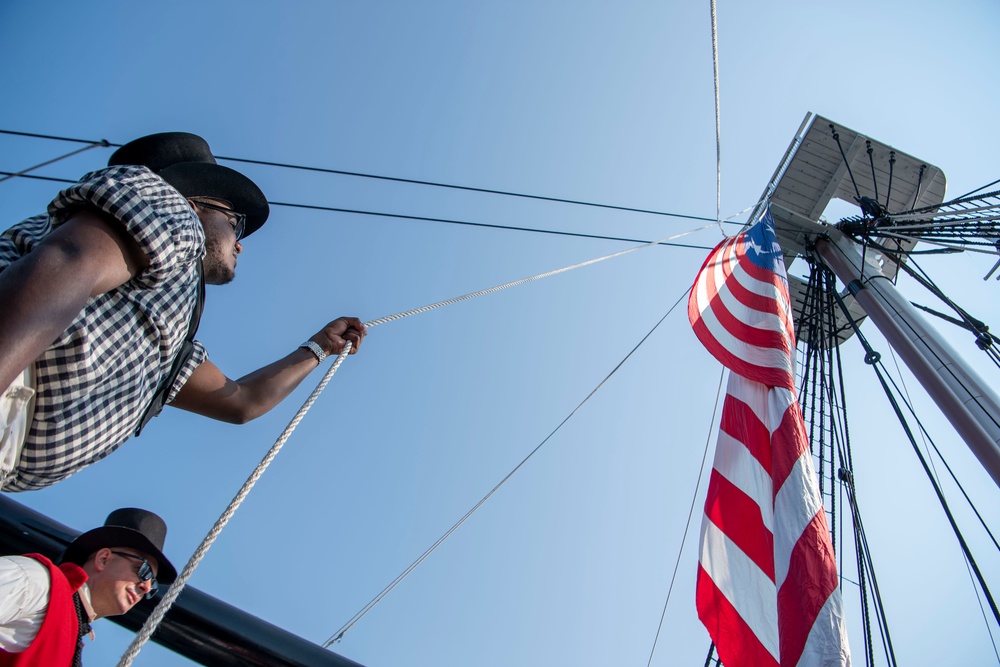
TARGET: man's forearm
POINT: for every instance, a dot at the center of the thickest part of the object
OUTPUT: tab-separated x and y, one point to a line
210	393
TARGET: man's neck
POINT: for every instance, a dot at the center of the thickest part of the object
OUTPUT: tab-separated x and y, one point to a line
87	605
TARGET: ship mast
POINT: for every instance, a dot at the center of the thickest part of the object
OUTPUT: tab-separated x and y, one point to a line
826	162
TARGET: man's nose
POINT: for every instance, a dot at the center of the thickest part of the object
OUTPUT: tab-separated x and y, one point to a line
239	247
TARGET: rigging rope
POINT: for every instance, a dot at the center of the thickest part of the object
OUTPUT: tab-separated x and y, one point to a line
485	225
333	209
904	396
937	491
718	121
823	400
7	176
395	179
874	360
687	525
154	620
337	636
836	137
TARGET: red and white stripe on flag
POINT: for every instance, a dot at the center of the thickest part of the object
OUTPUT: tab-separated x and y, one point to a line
767	578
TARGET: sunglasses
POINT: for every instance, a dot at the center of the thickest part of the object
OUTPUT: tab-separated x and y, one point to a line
241	219
145	572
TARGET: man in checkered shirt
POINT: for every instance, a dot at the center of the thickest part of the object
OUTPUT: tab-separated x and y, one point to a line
99	298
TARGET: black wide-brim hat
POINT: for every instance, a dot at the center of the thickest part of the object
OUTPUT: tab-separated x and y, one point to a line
186	162
127	527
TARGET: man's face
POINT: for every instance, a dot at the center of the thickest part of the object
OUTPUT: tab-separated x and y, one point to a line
113	578
221	245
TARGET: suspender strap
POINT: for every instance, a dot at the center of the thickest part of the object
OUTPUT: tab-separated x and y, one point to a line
187	349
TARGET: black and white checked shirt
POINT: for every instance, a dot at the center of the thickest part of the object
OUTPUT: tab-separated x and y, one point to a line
96	379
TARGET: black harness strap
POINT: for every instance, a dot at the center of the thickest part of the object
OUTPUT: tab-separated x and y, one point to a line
187	349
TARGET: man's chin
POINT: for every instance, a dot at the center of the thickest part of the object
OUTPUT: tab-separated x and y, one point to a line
219	276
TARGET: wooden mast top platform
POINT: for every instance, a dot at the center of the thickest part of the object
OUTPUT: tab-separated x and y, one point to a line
813	173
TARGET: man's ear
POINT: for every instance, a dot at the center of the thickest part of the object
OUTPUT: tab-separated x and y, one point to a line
101	558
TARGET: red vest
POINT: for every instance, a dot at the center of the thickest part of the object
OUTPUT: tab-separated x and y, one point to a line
56	640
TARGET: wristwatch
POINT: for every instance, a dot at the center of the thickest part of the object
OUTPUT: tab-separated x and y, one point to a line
314	347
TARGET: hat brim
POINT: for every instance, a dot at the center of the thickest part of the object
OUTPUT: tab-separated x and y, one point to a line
199	179
118	536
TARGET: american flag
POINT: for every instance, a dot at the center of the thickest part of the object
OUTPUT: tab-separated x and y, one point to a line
767	578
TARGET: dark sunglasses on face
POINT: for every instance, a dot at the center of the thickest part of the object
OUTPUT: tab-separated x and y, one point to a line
240	224
145	572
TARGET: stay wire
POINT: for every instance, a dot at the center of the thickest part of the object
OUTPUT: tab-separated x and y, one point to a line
687	525
871	162
337	636
866	564
865	561
932	445
874	359
467	188
23	172
396	179
892	164
920	180
972	192
937	490
485	225
928	440
836	137
983	338
380	214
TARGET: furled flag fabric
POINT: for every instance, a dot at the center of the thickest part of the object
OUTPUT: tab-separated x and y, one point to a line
767	578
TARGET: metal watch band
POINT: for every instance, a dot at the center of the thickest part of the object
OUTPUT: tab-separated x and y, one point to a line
314	347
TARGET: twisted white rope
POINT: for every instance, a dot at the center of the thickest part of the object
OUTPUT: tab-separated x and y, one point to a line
423	309
718	122
154	620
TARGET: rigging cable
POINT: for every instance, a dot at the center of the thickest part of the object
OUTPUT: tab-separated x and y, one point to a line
905	397
687	525
867	282
396	179
817	332
930	441
465	223
972	192
836	137
23	172
876	363
984	341
862	549
871	161
892	164
488	225
337	636
937	490
987	338
154	620
920	179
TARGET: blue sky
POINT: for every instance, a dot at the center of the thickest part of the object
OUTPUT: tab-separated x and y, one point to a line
569	562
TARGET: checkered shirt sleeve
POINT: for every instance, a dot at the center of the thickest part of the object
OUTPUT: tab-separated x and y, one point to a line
94	382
